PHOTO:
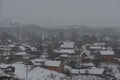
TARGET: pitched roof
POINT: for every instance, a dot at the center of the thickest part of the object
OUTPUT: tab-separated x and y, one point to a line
94	70
52	63
107	52
21	53
22	48
67	45
65	51
38	62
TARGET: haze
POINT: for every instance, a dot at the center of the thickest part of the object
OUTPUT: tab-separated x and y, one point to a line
63	12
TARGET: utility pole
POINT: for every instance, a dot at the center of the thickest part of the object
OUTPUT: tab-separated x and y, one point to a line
27	71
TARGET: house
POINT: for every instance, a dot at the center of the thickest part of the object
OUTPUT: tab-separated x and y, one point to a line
117	76
85	65
97	47
54	65
107	55
4	76
100	44
21	48
7	72
66	48
66	57
67	45
38	62
91	71
5	52
21	56
85	55
65	51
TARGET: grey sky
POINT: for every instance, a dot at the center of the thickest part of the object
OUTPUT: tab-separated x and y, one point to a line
63	12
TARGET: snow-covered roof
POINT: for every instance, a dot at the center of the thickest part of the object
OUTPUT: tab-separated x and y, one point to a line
4	65
4	46
109	48
85	52
9	40
99	44
52	63
38	62
20	70
33	48
64	55
36	73
94	70
107	52
65	51
67	45
21	53
86	77
44	74
11	45
67	67
22	48
117	76
87	64
95	47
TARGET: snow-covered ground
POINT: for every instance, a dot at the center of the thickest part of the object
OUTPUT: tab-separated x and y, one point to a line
44	74
20	70
36	73
86	77
112	66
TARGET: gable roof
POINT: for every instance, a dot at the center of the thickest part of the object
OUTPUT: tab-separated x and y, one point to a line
52	63
22	48
38	61
93	70
67	45
21	53
65	51
87	53
107	52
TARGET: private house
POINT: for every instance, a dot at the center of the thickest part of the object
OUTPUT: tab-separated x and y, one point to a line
66	48
107	56
97	47
5	53
21	49
4	76
86	56
65	57
7	69
54	65
91	71
38	62
21	56
83	56
67	45
7	72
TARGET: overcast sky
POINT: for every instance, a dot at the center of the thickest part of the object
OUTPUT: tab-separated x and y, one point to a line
63	12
